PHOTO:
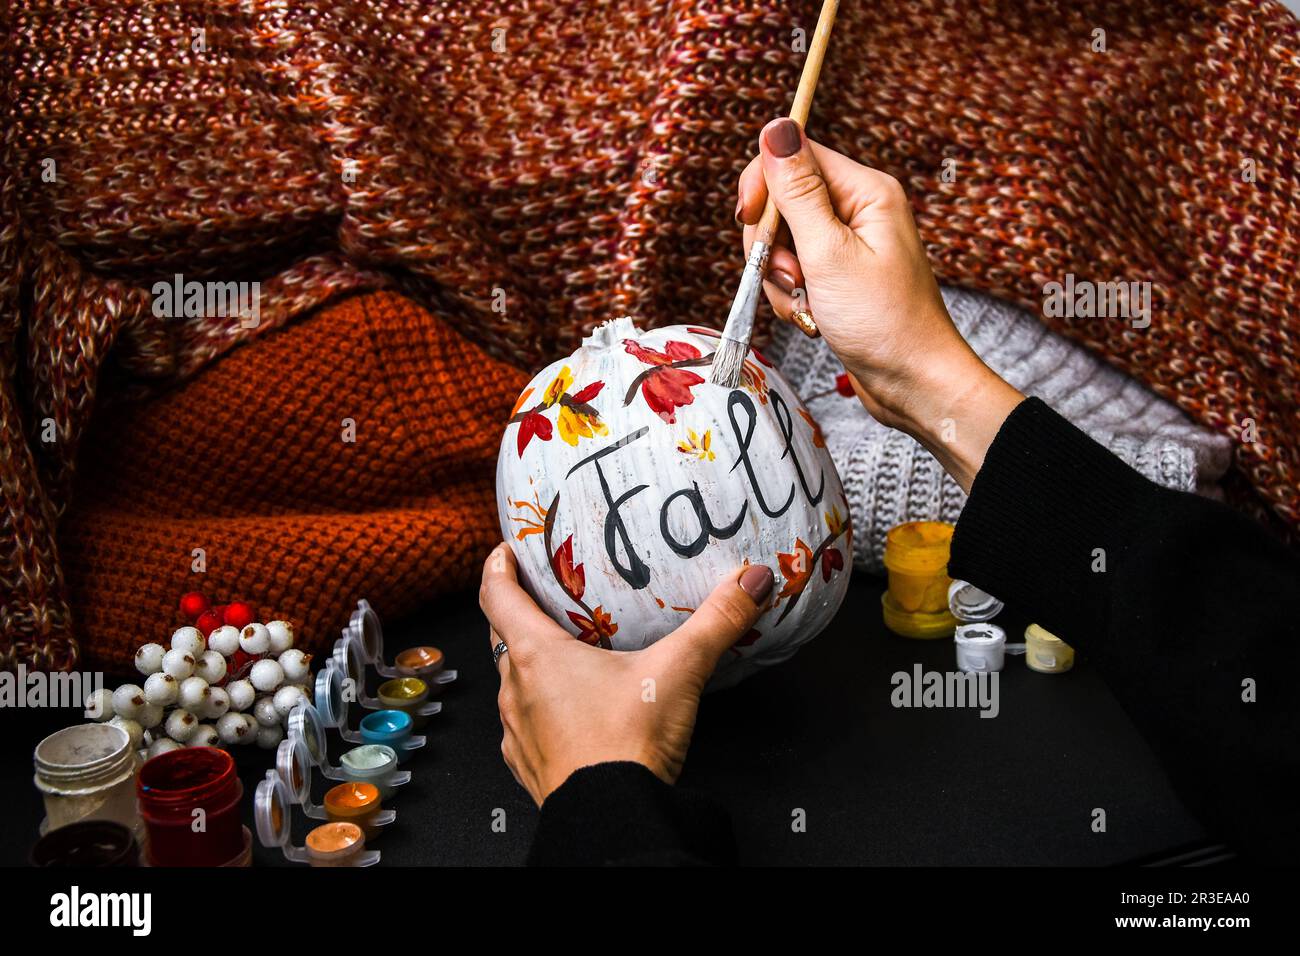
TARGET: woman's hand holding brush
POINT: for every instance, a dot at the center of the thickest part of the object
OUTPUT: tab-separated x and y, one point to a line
849	252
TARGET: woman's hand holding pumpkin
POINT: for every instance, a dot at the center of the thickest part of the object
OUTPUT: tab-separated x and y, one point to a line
853	257
566	705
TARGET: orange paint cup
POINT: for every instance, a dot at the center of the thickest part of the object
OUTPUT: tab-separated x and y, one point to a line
358	803
335	844
420	661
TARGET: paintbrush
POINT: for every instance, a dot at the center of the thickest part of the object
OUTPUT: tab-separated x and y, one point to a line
729	358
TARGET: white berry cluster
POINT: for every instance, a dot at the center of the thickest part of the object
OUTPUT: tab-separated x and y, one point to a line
193	696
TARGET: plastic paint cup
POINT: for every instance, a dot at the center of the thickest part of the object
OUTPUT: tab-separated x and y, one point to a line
86	772
420	662
412	693
335	844
1045	652
393	729
405	694
358	803
331	844
981	647
916	557
171	788
376	764
87	843
424	662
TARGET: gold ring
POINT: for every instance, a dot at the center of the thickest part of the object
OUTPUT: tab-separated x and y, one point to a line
804	320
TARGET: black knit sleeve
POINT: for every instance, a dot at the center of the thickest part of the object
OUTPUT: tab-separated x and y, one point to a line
1188	610
621	814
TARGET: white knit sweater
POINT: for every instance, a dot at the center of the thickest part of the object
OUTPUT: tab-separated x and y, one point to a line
889	478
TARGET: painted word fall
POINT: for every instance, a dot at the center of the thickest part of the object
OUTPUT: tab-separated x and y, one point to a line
635	571
76	909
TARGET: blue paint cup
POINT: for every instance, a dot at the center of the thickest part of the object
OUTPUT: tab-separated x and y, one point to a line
392	728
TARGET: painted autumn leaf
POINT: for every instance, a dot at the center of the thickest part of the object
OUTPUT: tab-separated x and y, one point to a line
666	389
519	403
534	423
587	394
818	439
753	379
595	630
533	517
796	568
576	424
572	579
835	521
562	382
697	446
832	561
576	419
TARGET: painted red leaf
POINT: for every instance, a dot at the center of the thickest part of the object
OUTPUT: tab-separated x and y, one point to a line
572	579
673	352
681	351
588	393
534	423
666	390
649	356
832	561
595	632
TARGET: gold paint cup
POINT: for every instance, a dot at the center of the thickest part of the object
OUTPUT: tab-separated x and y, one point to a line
406	694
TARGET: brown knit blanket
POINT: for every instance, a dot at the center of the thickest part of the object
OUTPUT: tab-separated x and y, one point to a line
523	170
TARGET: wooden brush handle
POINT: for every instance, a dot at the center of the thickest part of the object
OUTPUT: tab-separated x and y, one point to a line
803	97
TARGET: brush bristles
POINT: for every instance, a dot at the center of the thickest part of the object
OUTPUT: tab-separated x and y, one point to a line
728	363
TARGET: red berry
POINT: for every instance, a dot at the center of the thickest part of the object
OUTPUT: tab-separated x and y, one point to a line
239	615
843	385
193	604
208	622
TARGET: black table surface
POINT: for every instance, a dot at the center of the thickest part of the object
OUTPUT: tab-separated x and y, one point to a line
876	784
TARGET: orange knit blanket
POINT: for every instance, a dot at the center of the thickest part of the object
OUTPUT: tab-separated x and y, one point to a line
523	170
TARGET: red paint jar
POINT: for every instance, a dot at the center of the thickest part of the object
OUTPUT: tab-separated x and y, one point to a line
171	787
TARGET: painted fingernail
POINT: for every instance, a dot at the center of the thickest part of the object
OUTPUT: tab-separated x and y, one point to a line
784	281
757	582
783	138
740	206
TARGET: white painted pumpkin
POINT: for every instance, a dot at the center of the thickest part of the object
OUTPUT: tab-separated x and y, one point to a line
629	485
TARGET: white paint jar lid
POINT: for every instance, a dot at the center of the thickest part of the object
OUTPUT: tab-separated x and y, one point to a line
969	603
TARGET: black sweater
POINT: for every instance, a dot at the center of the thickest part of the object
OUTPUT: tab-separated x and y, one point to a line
1195	611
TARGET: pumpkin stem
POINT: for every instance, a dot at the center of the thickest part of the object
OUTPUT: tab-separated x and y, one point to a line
611	333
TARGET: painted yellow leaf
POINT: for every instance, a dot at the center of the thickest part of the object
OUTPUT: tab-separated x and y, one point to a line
575	425
562	383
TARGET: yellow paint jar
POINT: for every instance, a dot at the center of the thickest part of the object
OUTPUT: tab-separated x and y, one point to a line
916	557
1045	652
